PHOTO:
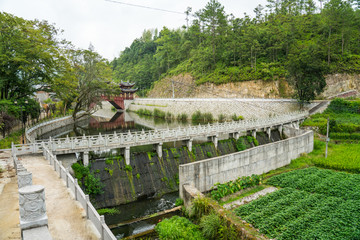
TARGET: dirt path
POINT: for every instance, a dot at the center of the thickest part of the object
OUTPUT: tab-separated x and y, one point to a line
249	198
66	217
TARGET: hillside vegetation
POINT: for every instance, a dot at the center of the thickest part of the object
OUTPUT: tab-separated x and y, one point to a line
217	47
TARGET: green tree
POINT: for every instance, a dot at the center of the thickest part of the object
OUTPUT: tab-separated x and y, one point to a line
84	80
306	71
29	55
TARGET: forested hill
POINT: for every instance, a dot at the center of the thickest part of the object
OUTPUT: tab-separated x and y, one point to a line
219	48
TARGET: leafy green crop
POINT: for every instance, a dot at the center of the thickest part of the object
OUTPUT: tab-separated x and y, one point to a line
314	204
221	190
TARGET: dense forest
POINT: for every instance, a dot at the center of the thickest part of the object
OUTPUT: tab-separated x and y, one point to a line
219	48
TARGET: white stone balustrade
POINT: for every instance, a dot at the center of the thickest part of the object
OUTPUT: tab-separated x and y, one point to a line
120	140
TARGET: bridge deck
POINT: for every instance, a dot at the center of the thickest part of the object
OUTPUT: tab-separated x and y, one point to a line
65	216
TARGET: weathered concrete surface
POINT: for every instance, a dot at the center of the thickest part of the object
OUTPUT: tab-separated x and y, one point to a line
41	233
9	201
204	174
249	198
66	218
9	211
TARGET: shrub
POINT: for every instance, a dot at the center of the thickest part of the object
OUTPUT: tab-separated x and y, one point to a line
240	144
209	154
169	115
91	184
179	202
200	207
221	117
178	228
182	117
196	117
159	114
237	118
208	117
210	225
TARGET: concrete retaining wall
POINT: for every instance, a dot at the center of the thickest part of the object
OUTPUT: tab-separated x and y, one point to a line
248	108
34	132
204	174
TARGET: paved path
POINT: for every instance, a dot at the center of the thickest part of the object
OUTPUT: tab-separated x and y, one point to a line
249	198
66	217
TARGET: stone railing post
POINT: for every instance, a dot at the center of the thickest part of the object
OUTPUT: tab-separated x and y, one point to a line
127	155
189	144
268	131
32	207
76	184
24	179
159	149
87	205
86	158
102	221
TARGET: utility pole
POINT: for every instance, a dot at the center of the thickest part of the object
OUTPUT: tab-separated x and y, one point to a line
327	138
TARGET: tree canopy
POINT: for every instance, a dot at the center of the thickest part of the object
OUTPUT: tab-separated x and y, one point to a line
32	58
219	48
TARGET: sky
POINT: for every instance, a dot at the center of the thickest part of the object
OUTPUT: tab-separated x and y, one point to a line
111	27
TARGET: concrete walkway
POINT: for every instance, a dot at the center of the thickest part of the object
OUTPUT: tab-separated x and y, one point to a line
67	219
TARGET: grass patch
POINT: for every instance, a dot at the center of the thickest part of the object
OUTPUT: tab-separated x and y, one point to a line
14	137
108	211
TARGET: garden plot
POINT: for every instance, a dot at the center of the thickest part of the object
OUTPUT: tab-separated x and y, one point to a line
312	204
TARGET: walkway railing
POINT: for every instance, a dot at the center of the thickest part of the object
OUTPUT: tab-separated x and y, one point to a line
80	196
156	136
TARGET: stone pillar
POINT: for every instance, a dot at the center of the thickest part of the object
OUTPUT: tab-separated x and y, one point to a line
215	141
236	135
189	144
268	131
253	133
127	155
280	128
159	149
24	179
32	207
86	158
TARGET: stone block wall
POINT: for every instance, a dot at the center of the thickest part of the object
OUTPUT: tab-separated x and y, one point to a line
248	108
204	174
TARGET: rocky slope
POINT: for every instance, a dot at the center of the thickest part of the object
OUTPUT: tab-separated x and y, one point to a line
185	87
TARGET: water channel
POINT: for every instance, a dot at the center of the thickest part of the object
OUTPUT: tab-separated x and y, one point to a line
151	186
107	121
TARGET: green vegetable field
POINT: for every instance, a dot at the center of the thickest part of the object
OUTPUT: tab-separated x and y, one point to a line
312	204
